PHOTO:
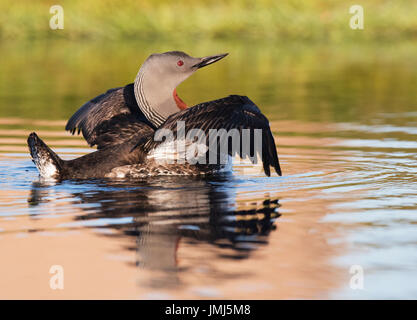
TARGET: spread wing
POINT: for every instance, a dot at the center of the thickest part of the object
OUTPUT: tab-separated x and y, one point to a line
110	118
233	112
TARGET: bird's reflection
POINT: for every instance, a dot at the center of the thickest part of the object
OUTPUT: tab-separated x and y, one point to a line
161	214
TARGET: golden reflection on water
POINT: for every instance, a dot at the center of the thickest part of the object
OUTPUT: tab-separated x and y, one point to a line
347	197
148	257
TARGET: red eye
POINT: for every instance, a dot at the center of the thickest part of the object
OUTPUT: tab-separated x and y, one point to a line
180	63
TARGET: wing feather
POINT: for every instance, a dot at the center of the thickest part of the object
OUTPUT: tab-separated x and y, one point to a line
110	118
233	112
91	114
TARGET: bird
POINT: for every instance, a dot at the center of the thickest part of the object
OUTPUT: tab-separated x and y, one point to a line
127	125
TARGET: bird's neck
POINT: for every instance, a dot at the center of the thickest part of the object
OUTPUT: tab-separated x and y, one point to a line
180	104
156	99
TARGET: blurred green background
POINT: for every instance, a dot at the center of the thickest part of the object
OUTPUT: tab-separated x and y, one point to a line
295	59
216	19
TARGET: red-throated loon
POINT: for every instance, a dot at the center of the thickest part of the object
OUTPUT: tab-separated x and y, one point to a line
124	123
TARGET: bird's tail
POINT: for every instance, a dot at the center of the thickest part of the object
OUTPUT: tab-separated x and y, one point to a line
47	161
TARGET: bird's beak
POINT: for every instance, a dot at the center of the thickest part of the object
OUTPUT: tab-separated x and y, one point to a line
209	60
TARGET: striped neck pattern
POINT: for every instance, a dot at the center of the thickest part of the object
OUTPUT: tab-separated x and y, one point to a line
149	111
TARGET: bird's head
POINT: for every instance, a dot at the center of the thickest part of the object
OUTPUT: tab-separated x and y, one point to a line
158	78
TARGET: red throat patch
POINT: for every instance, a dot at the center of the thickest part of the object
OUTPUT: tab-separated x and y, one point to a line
181	104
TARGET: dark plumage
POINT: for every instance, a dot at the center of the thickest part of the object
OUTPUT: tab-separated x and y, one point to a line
233	112
123	121
110	118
